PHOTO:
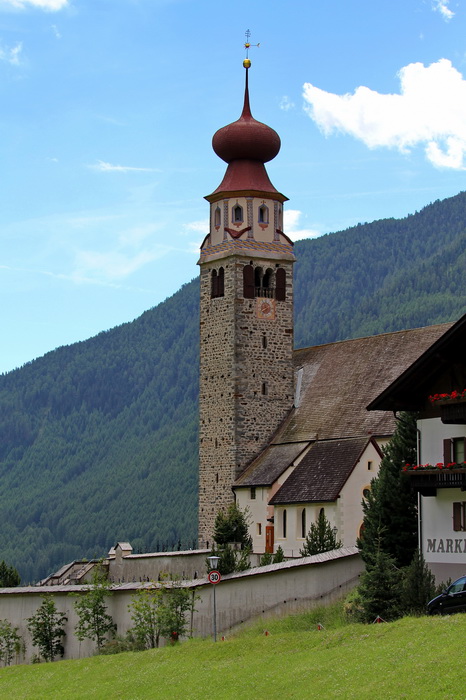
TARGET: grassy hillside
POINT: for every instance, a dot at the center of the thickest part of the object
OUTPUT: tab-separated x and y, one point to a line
98	440
411	658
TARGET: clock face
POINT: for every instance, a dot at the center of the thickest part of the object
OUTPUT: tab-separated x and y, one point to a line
265	308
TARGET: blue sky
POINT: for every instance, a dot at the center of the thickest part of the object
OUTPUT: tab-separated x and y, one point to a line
108	108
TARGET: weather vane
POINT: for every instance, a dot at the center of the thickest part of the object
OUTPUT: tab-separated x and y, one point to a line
247	46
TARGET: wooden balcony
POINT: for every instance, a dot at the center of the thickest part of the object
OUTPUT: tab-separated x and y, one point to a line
427	481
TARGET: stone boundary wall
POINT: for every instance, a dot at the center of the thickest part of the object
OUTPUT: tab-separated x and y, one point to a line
269	590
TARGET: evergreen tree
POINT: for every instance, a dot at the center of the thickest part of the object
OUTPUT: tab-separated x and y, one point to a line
390	512
418	586
9	577
279	555
379	590
232	526
320	538
94	622
47	629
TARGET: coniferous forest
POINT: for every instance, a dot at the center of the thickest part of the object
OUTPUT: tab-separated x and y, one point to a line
98	440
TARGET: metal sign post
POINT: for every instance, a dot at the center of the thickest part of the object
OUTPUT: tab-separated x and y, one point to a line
214	578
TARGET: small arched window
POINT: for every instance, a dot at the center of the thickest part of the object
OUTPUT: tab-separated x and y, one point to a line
267	279
218	283
280	284
263	214
248	282
221	282
303	523
237	214
214	284
217	217
284	523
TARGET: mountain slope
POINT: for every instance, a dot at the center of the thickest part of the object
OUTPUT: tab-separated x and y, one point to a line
98	440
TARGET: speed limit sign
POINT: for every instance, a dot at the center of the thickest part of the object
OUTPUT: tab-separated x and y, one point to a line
214	577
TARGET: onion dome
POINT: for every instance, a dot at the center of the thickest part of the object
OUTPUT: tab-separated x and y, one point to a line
246	138
246	145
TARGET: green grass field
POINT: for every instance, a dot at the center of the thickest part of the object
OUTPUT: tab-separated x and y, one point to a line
411	658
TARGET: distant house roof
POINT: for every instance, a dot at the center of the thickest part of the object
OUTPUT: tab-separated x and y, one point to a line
322	473
337	382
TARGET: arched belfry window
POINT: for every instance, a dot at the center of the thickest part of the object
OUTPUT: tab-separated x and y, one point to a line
267	279
280	284
217	217
263	214
248	282
221	282
217	283
237	214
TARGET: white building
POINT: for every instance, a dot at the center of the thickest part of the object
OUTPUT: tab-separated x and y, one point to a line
434	386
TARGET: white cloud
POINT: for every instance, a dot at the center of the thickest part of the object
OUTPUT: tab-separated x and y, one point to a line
50	5
12	55
430	111
200	229
442	7
292	221
104	167
134	248
286	104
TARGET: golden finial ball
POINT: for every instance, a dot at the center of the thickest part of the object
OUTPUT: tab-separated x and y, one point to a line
247	63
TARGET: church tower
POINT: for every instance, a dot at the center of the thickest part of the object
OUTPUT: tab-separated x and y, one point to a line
246	317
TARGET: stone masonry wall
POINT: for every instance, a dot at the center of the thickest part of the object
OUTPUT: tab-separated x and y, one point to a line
246	380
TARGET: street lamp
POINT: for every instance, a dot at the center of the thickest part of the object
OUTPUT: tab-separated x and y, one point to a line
213	563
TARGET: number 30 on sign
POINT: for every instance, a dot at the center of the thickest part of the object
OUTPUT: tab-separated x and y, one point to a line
214	577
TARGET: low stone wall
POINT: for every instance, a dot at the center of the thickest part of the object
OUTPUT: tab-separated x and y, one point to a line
270	590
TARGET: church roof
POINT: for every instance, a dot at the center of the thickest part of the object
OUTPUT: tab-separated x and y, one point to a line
443	361
270	464
322	473
337	382
340	379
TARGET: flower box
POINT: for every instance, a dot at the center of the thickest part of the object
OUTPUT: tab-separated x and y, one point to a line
452	412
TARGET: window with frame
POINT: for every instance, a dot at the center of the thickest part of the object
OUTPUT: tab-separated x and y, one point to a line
459	516
252	493
237	213
263	214
218	283
303	523
453	450
284	524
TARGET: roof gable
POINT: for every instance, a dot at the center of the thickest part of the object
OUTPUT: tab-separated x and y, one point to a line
322	473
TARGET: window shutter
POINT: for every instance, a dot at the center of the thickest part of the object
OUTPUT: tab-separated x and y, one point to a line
248	282
447	451
280	284
457	508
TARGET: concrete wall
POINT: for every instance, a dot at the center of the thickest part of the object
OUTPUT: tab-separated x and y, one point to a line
271	590
148	567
